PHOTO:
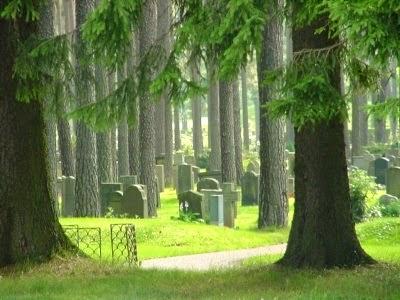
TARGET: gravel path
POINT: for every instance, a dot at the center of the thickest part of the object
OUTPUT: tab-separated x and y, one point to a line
213	260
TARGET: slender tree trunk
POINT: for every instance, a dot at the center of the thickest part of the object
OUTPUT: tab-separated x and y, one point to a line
228	167
289	59
111	81
177	128
133	131
184	118
364	122
213	119
164	25
103	139
273	206
245	111
237	132
322	233
29	229
147	35
380	124
356	125
196	116
257	118
123	153
86	186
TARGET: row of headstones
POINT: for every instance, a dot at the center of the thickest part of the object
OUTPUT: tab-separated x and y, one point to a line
125	197
376	166
215	205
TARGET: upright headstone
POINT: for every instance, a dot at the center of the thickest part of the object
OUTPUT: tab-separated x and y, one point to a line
393	181
185	179
291	157
392	159
250	188
128	180
381	165
217	210
160	177
208	184
290	187
106	189
179	159
134	201
207	194
68	197
361	162
115	202
231	197
211	174
192	202
196	172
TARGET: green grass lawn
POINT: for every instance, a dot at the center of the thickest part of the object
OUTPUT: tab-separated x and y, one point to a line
162	236
256	278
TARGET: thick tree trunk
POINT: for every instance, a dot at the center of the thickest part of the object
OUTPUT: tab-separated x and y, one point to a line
86	187
196	115
237	132
228	167
213	120
245	111
322	233
147	37
177	128
289	57
273	206
103	139
29	229
123	154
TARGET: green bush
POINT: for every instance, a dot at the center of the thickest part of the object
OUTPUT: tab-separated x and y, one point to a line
203	160
391	210
362	187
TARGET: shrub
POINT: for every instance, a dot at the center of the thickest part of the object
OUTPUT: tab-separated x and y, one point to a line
391	210
362	187
203	160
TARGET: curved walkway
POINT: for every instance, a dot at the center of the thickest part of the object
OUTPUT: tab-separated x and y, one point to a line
213	260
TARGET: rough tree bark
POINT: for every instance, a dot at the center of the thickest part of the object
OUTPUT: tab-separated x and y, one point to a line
177	128
289	57
228	167
322	233
245	110
196	115
29	229
86	187
237	131
356	148
147	35
213	119
273	206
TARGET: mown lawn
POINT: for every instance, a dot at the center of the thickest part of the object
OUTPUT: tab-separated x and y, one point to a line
256	278
163	236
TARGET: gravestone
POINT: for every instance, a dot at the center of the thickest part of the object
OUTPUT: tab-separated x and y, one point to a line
134	201
115	201
211	174
217	210
192	202
291	157
393	181
361	162
196	171
208	184
250	188
231	197
381	166
68	197
387	199
253	166
105	192
185	179
127	180
160	177
207	194
392	159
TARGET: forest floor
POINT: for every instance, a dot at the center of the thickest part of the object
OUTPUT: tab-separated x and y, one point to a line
254	278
